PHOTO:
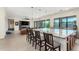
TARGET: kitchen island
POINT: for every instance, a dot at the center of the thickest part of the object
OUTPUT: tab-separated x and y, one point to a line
63	36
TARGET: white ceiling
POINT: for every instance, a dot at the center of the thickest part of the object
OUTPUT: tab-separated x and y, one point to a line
30	12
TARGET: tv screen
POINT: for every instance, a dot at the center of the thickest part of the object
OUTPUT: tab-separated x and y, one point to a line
24	23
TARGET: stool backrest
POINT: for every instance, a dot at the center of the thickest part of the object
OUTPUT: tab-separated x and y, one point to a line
48	38
37	35
70	42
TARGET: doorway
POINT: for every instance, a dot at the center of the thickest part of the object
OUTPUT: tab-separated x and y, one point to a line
11	24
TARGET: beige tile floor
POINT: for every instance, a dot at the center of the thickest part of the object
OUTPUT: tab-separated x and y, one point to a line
76	47
17	42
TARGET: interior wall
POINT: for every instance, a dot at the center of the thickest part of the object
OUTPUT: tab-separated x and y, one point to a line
6	24
3	25
16	27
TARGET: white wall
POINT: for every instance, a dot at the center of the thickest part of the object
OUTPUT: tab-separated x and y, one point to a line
16	28
2	23
6	22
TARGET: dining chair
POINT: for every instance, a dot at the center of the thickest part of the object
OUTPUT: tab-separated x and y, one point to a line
50	44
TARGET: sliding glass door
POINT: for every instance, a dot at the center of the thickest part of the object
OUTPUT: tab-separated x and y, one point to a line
47	23
71	22
42	24
65	23
56	23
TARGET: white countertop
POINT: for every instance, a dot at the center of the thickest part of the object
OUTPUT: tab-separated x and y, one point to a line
62	33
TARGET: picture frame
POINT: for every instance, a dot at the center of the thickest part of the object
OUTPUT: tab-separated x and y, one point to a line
16	23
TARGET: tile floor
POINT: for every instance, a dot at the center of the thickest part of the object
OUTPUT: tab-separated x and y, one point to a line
17	42
76	47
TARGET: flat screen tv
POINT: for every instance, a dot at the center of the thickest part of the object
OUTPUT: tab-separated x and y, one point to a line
24	23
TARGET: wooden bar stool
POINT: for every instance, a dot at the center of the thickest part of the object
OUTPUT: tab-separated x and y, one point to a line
50	44
70	42
28	35
39	41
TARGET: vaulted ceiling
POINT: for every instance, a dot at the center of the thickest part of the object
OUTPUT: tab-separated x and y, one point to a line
32	12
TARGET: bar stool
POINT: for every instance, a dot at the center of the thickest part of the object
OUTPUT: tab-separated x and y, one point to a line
32	38
50	44
39	41
70	42
28	35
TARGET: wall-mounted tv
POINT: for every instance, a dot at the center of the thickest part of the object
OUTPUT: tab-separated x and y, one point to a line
24	23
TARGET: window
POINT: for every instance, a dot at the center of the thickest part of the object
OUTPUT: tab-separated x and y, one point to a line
65	23
42	24
47	23
71	22
35	24
56	23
